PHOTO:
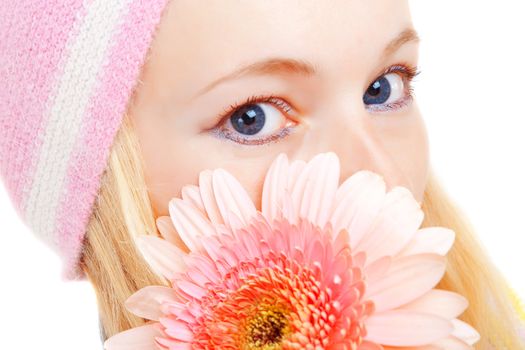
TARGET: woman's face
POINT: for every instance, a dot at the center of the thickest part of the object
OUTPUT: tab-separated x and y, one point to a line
319	76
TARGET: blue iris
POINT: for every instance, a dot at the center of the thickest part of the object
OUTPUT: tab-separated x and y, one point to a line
248	120
378	92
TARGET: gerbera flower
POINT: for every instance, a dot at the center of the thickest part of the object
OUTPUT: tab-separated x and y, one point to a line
319	266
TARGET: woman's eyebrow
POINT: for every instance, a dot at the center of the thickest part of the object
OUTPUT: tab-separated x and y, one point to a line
407	35
269	66
284	65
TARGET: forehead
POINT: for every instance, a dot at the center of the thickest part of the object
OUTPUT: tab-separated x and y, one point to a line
205	39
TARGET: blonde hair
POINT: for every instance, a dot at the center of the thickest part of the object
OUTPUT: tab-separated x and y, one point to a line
123	210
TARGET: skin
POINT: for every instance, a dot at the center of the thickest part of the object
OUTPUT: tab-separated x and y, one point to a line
199	41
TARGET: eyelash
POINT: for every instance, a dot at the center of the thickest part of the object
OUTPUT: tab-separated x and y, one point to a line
408	72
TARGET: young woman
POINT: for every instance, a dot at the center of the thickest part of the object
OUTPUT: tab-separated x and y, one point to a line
112	107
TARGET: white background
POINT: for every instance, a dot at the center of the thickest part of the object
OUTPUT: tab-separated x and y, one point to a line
471	92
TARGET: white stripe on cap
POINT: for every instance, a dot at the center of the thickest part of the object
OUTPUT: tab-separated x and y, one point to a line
83	61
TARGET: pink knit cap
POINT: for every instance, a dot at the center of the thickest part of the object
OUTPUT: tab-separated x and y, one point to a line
67	71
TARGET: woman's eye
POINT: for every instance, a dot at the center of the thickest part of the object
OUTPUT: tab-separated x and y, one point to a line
390	91
256	122
386	89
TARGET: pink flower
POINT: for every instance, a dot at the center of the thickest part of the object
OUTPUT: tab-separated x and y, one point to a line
320	266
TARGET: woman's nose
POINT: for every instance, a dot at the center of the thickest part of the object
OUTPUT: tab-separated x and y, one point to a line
352	137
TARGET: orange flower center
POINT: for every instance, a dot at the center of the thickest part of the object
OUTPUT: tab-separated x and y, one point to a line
267	328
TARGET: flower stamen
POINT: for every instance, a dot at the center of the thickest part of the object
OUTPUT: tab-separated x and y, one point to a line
267	328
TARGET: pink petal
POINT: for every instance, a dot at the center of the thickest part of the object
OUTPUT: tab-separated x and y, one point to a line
408	278
357	203
396	224
205	265
177	329
406	328
190	223
208	197
184	311
212	246
295	170
198	277
299	187
164	258
465	332
289	212
274	187
168	232
248	245
230	195
139	338
146	302
234	221
341	240
436	240
452	343
191	289
424	347
366	345
377	269
191	194
174	344
439	302
322	179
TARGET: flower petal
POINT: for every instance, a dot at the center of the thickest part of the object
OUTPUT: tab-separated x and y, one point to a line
146	302
295	170
314	192
299	186
377	269
396	224
274	187
439	302
321	188
408	278
289	212
173	344
424	347
191	289
230	195
436	240
169	233
357	203
189	223
191	194
164	258
406	328
366	345
139	338
465	332
204	264
452	343
177	329
208	197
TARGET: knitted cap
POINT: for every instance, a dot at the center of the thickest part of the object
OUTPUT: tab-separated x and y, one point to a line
67	71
